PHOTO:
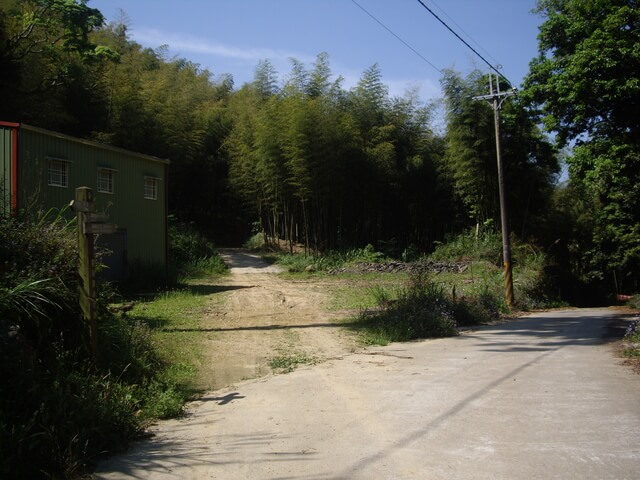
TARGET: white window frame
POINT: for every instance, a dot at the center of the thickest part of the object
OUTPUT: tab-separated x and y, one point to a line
106	180
151	187
59	178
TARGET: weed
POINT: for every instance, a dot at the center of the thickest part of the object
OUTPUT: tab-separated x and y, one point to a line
57	409
287	363
329	260
632	341
423	309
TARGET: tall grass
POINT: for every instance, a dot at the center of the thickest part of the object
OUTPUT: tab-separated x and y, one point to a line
424	309
59	410
326	261
191	254
534	286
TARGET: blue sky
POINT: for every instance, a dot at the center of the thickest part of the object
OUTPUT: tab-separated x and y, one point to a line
232	36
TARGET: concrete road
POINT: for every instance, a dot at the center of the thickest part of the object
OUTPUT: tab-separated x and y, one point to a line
539	397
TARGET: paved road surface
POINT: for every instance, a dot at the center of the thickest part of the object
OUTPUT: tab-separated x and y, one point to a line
540	397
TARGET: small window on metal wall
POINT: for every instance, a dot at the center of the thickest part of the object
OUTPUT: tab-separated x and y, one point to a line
105	180
58	173
151	188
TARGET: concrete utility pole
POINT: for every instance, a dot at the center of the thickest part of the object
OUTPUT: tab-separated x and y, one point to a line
496	98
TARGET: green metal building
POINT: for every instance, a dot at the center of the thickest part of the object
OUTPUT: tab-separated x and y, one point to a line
40	169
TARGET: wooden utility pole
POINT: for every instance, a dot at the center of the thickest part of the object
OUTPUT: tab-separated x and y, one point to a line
89	224
83	206
496	98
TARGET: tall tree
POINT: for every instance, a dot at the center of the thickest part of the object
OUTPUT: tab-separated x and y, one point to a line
470	155
530	164
265	79
585	80
46	54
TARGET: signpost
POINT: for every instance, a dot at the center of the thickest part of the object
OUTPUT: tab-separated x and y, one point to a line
90	223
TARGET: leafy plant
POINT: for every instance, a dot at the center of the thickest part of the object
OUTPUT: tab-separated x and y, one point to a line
57	408
287	363
191	254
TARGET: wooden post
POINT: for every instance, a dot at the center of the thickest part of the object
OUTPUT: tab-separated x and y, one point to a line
83	206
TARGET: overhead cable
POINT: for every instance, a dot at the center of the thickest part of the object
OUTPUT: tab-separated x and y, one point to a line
397	37
463	31
464	41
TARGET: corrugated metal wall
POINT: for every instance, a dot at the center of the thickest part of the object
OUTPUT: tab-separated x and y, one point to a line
144	220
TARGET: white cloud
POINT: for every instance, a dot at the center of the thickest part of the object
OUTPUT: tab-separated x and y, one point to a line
241	61
186	43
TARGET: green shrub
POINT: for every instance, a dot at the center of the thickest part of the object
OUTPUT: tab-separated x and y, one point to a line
534	283
423	310
635	302
467	246
329	260
257	241
191	253
58	409
57	416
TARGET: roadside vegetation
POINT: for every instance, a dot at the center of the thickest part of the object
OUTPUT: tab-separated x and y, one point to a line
459	284
630	347
59	410
368	179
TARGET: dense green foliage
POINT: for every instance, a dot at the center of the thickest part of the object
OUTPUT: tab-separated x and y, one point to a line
191	254
530	163
307	161
424	310
585	81
57	408
331	168
354	173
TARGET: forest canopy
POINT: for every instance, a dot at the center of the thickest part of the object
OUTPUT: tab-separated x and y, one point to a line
303	159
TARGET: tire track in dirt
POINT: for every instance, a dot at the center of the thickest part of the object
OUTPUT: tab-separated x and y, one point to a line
260	316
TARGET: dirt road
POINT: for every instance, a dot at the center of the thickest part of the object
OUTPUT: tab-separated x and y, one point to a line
539	397
261	320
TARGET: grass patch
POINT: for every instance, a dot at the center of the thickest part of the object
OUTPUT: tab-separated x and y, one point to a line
327	261
533	287
287	363
357	292
173	318
424	309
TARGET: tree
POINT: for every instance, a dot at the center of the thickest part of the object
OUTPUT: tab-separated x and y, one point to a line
530	163
335	169
265	79
585	81
470	154
47	55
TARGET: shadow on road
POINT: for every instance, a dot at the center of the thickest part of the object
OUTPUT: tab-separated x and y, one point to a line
258	327
548	331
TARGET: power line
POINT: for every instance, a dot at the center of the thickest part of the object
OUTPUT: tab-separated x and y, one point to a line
397	37
464	41
463	31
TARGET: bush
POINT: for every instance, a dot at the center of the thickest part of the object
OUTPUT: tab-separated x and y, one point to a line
423	310
191	253
467	247
329	260
58	409
535	282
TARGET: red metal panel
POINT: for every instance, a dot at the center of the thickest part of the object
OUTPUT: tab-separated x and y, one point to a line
14	168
